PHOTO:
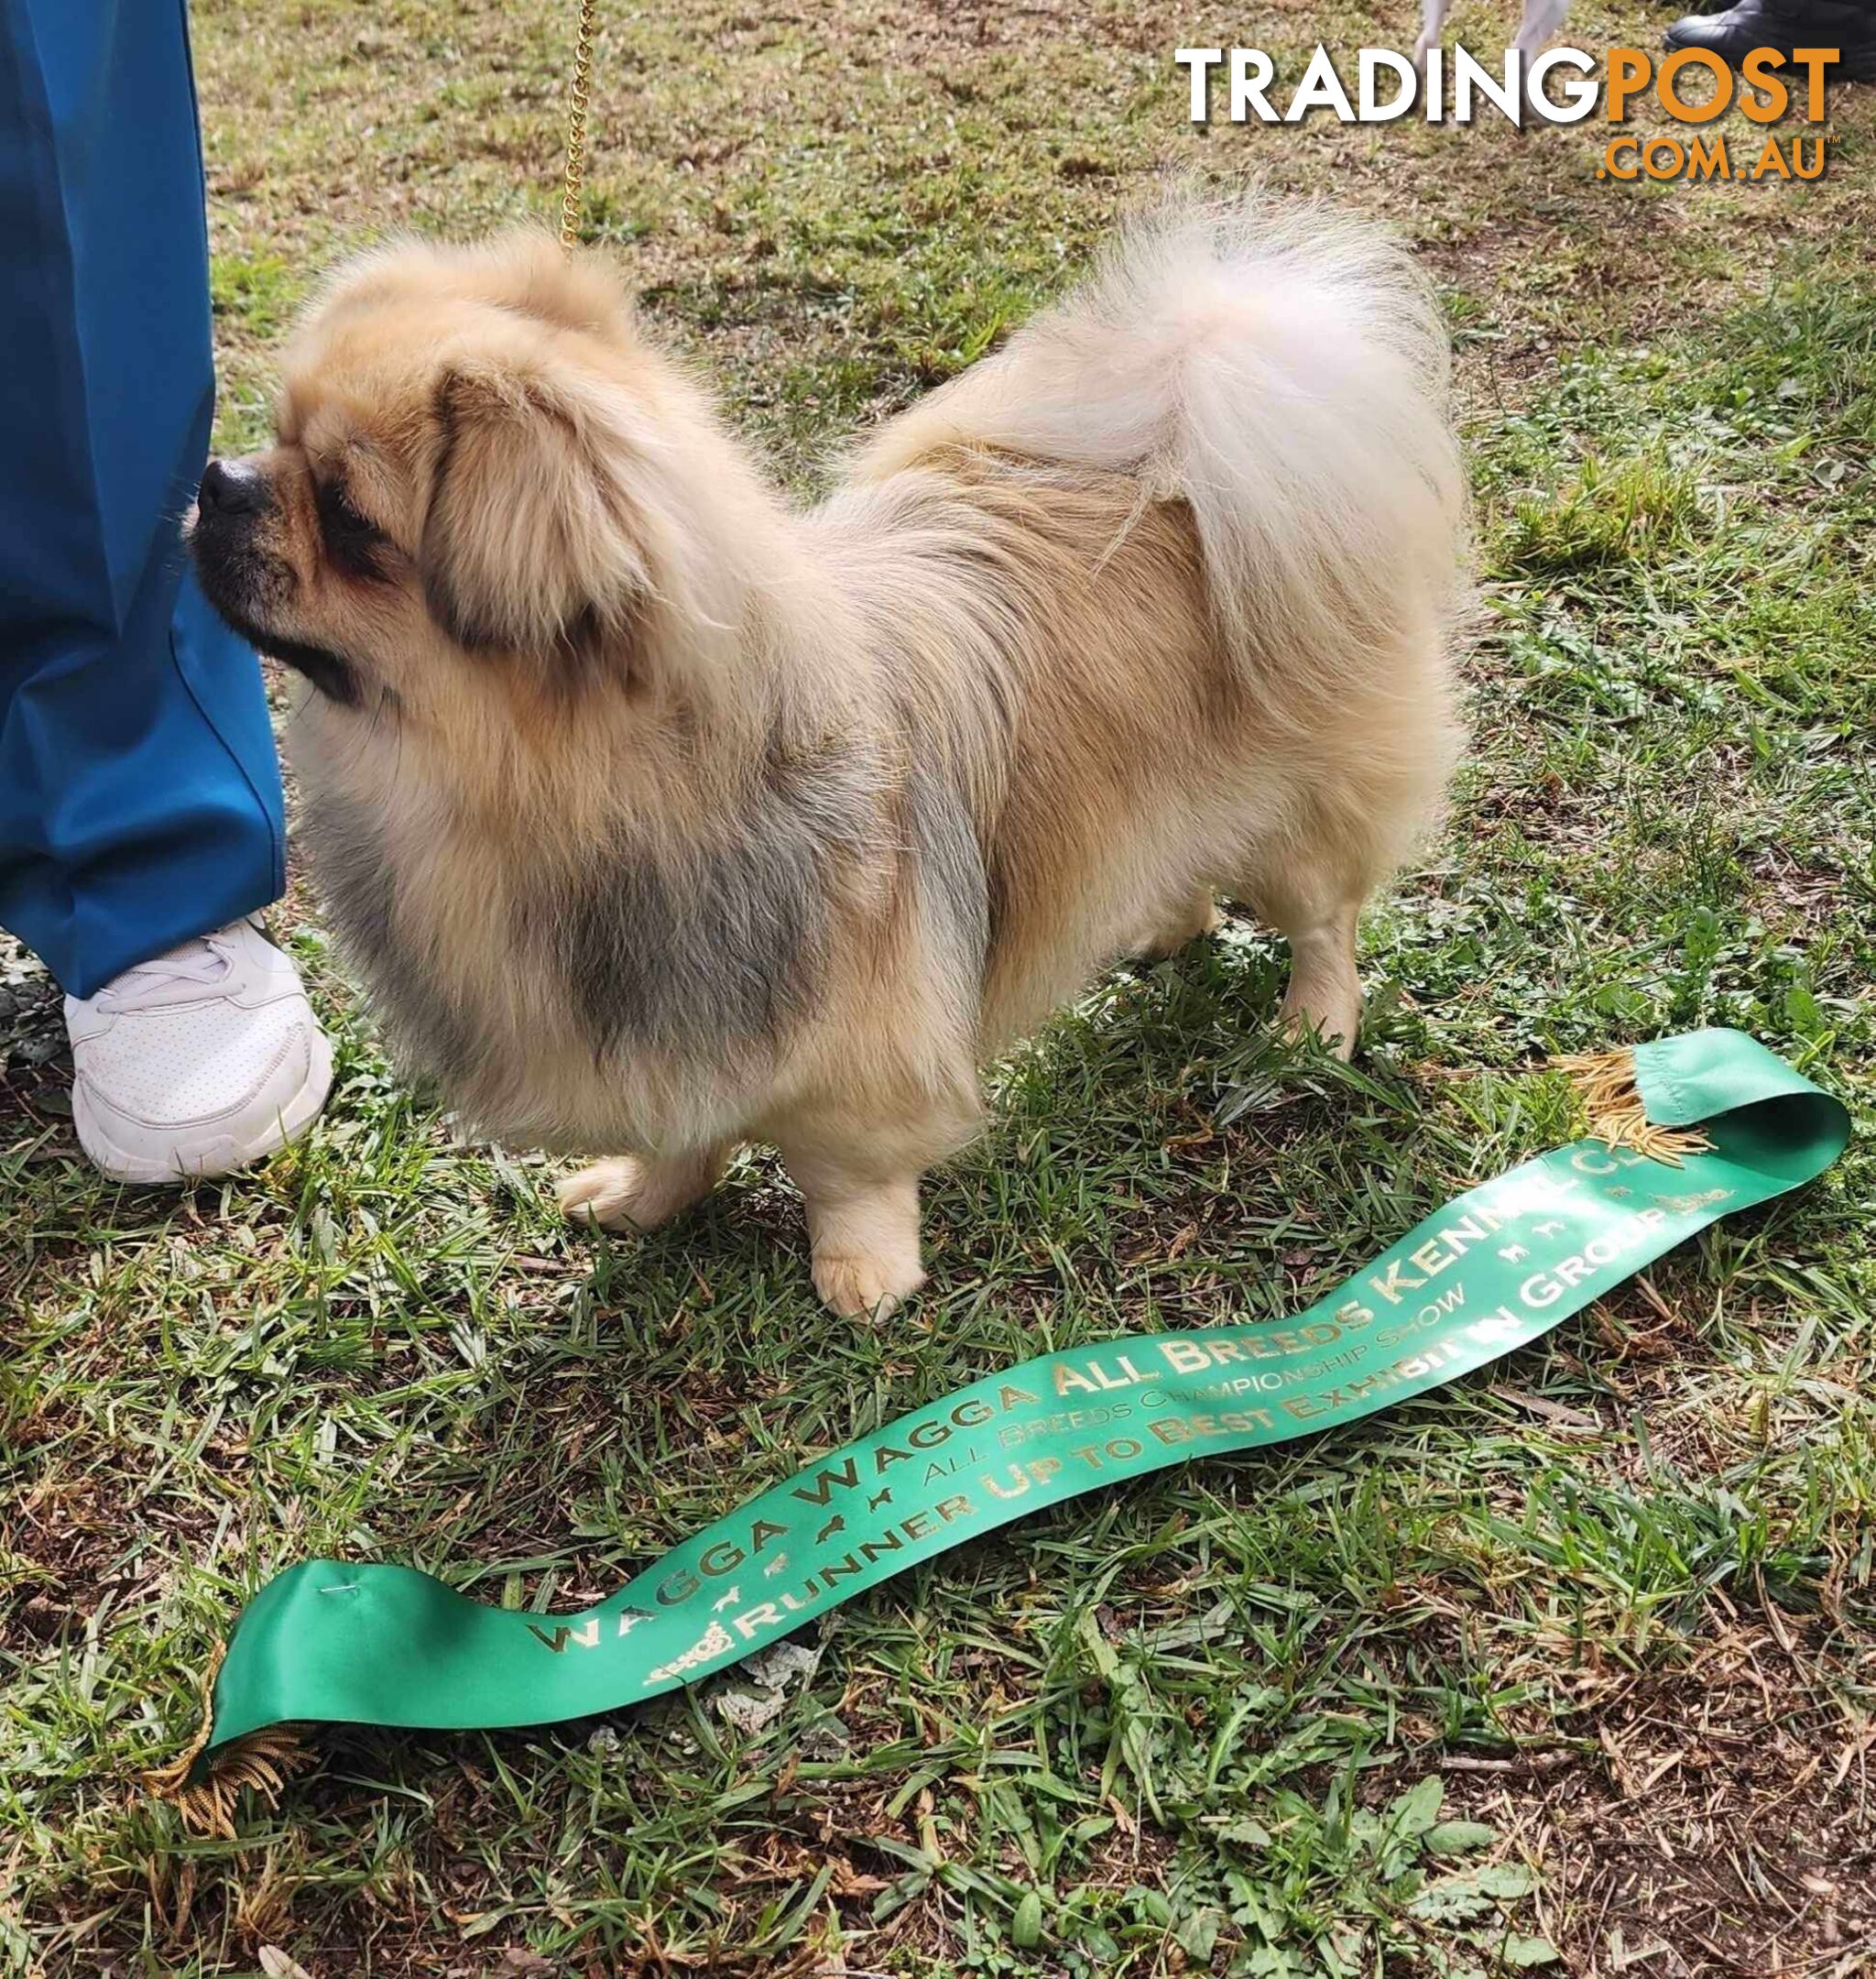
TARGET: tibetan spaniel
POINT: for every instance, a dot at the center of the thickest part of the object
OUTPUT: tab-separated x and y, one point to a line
660	814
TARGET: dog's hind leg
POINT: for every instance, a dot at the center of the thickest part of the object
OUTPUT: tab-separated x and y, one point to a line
628	1193
1315	908
1324	992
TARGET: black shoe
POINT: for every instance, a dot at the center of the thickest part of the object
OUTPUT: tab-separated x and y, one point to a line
1848	26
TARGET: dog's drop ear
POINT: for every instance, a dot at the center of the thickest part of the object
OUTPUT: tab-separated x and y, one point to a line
528	543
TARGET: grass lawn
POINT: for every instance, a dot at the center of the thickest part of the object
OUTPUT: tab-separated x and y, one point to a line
1614	1599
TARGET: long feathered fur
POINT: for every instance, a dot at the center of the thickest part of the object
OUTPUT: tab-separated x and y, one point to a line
1283	372
663	814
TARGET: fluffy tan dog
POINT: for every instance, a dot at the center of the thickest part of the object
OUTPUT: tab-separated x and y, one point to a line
661	816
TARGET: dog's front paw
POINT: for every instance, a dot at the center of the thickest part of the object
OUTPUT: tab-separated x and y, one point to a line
858	1286
628	1194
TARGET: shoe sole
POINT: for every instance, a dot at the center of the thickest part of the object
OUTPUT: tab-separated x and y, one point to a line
224	1158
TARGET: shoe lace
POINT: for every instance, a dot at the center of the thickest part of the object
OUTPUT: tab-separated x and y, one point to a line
206	959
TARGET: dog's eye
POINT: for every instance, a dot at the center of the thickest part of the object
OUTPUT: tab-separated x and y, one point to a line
351	542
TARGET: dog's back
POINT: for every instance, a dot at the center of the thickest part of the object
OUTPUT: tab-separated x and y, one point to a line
1193	558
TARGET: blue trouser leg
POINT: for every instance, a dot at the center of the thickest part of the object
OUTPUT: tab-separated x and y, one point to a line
139	791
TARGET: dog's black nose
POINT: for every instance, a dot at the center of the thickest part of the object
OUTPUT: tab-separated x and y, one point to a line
229	488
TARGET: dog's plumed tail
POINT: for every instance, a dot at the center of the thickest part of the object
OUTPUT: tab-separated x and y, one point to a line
1281	371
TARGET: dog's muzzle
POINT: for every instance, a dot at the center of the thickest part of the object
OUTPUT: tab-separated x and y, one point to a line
241	583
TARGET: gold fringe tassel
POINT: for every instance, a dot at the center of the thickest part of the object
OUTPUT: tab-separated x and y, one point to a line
1606	1083
265	1760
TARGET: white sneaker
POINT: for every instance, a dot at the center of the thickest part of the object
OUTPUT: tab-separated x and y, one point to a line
197	1063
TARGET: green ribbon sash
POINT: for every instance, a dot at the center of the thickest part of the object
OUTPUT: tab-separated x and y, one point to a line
343	1643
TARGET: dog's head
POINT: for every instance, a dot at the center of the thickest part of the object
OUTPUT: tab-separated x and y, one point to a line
483	482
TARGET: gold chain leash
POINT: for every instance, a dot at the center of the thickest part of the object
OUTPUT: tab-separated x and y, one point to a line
576	128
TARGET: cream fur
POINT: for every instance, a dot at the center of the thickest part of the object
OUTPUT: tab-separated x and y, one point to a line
666	817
